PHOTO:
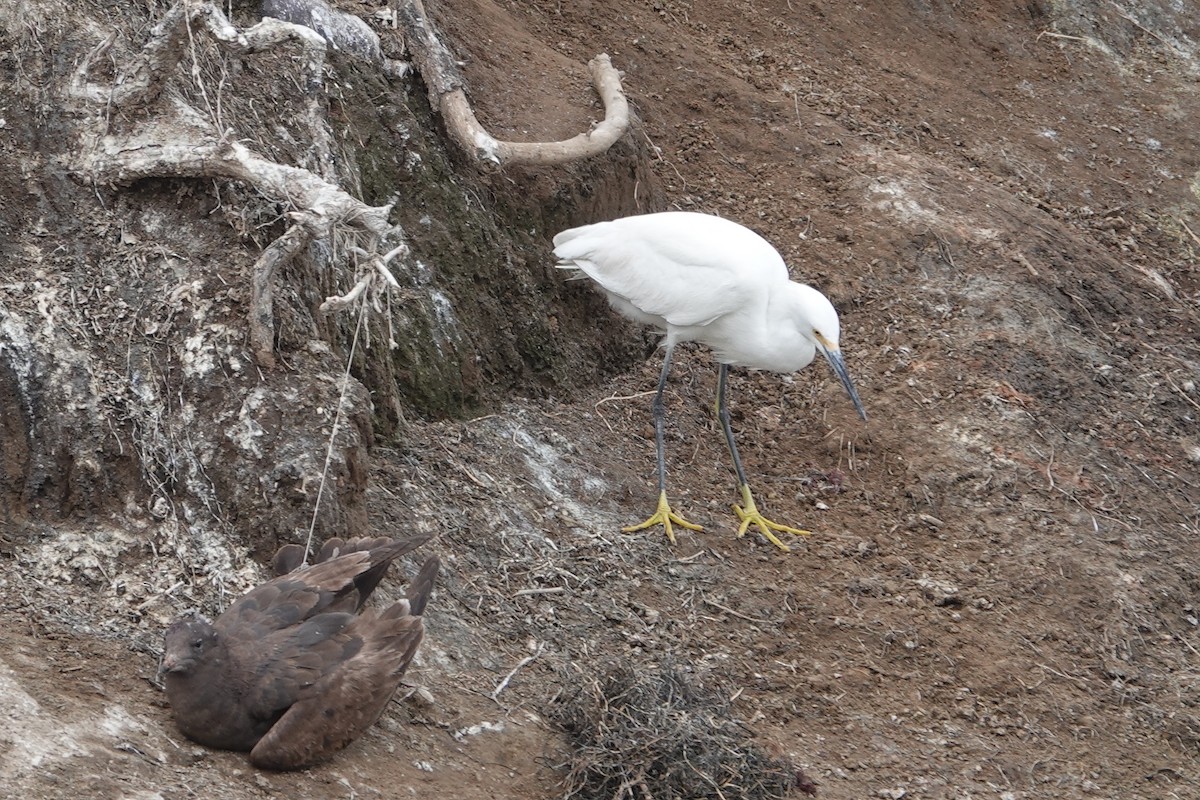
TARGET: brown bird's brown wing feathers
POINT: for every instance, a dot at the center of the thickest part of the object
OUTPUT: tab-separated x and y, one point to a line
421	587
361	665
290	557
338	584
338	547
290	661
287	558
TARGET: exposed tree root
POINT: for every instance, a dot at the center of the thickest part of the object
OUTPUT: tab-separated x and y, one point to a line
447	93
175	140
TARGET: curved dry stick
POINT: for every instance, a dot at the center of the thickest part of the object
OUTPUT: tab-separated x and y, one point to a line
447	92
472	136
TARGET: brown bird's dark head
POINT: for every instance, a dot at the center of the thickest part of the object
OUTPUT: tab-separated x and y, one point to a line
186	642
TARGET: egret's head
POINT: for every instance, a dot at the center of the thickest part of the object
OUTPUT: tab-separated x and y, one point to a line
819	319
821	325
186	642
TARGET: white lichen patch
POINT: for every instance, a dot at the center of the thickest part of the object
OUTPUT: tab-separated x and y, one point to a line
893	196
245	432
905	191
207	349
49	305
88	554
446	329
980	446
475	730
204	568
33	736
30	735
18	351
543	453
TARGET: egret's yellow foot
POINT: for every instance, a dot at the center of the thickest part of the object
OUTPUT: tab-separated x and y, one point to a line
666	517
749	514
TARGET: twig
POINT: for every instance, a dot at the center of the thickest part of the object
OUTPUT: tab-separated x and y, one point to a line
613	398
1024	262
1182	393
1121	11
639	781
720	607
1080	682
523	662
339	302
154	597
1062	36
546	590
400	249
1195	238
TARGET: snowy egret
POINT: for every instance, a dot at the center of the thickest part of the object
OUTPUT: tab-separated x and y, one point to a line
702	278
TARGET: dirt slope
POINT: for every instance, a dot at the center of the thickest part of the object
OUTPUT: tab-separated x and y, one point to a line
1000	596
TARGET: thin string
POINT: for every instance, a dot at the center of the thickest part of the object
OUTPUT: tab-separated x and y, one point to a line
337	418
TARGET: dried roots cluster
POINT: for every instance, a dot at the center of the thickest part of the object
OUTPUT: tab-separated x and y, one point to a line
141	130
659	734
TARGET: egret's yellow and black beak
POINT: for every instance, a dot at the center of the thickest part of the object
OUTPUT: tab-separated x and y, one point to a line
834	356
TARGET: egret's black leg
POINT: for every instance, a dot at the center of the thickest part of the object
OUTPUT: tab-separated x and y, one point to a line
747	512
658	410
663	515
723	416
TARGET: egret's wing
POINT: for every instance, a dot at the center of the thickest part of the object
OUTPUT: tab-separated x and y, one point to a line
686	268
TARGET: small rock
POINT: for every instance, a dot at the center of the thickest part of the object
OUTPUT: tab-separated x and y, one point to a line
942	593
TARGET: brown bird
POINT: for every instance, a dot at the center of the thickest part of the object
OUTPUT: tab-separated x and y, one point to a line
295	670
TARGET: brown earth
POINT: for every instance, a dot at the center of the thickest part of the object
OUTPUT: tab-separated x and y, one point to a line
1000	597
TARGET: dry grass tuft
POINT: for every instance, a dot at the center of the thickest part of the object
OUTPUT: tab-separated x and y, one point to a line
655	733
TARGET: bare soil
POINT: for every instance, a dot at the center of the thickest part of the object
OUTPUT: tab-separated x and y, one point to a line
1000	598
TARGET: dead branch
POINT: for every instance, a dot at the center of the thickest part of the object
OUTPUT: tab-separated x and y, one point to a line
376	268
262	314
193	154
447	93
176	140
522	663
340	302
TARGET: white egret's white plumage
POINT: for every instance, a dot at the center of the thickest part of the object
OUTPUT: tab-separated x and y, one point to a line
702	278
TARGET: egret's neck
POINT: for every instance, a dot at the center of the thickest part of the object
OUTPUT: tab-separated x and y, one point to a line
764	337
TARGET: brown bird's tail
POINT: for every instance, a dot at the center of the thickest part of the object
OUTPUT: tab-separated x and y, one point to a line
422	586
381	556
